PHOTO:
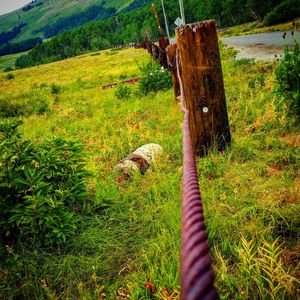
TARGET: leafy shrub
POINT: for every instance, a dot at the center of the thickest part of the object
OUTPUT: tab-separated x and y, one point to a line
123	76
258	81
42	186
55	89
248	62
154	78
287	77
285	11
8	69
9	76
122	91
23	107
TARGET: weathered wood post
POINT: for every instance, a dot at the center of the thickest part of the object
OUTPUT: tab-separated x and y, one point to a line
171	53
203	86
163	44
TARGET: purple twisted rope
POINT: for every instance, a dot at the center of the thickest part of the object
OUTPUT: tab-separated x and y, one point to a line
197	276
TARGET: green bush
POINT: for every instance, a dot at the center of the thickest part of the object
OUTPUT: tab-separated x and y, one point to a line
122	91
42	186
248	62
123	76
22	107
9	76
55	89
8	69
154	78
288	80
285	11
257	81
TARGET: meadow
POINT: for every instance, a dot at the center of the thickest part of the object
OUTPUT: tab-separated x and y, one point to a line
128	244
8	61
257	27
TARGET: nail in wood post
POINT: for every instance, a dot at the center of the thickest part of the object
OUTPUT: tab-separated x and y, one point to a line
203	85
171	53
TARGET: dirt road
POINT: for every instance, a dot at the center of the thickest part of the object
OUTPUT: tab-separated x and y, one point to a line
261	46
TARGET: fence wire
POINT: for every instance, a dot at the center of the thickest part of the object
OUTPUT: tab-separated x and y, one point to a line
197	276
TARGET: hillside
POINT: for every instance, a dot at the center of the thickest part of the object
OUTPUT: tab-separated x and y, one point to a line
139	24
128	237
47	18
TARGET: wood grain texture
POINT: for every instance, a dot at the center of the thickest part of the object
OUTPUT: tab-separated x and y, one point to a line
171	53
163	44
203	85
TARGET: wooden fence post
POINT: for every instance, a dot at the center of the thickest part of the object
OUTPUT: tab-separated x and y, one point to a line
203	86
163	44
171	53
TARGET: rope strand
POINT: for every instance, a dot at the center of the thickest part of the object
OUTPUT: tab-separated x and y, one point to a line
197	276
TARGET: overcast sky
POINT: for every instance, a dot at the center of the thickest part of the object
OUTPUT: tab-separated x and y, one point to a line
10	5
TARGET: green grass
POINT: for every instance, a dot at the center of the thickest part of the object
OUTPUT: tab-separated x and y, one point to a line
118	4
8	61
39	16
256	27
132	240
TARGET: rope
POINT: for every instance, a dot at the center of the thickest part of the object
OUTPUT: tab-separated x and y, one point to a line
197	276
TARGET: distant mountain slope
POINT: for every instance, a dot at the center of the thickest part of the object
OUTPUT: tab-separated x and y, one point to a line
47	18
139	24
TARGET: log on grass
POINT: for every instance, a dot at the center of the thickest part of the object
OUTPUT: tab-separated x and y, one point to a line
139	160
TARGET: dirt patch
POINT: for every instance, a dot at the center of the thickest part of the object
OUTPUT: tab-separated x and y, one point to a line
291	141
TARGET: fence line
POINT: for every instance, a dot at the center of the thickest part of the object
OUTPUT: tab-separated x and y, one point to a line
197	276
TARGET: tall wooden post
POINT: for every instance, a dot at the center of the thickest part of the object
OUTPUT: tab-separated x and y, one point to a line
163	44
157	20
203	86
171	53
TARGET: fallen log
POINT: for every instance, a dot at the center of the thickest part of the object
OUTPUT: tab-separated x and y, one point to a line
113	85
139	160
131	81
109	86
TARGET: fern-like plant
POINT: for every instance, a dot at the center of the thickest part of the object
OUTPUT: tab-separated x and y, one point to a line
263	273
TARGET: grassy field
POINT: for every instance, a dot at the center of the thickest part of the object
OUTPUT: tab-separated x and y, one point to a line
131	239
8	61
256	27
40	15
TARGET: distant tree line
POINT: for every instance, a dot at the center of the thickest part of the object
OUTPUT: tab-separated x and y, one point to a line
31	5
7	36
25	45
7	47
137	25
95	12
